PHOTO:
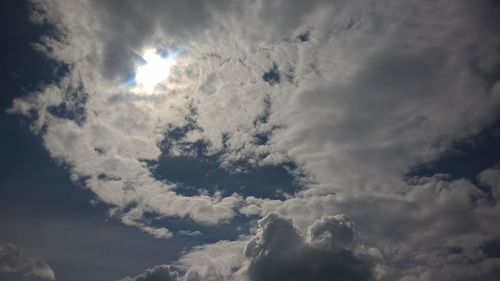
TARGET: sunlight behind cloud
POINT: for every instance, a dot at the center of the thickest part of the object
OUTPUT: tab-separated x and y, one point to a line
155	70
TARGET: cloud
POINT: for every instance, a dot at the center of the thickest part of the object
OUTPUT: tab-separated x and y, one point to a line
491	178
378	88
404	233
279	252
157	273
330	115
134	217
190	233
212	262
217	261
14	261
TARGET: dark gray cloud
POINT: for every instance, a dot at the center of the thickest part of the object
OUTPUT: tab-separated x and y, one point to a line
14	261
279	252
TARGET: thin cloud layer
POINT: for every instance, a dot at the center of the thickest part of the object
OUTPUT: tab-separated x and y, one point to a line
355	94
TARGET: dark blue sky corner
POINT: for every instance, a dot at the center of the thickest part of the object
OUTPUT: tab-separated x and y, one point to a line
25	68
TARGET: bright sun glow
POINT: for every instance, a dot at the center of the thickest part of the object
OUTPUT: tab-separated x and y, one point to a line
155	70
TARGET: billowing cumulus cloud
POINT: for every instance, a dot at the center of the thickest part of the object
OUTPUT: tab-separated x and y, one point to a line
279	252
354	94
13	262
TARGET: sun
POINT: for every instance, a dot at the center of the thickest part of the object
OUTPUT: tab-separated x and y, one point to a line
155	69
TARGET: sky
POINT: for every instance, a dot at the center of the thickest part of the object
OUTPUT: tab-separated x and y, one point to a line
256	140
